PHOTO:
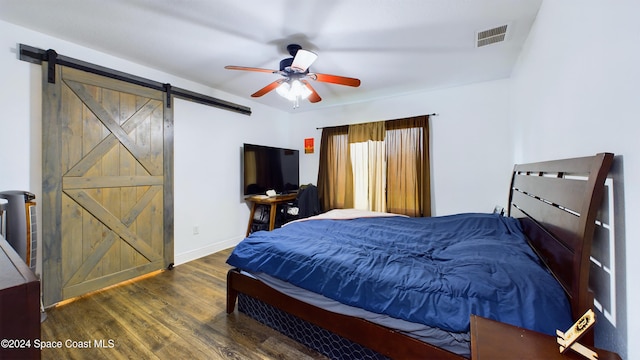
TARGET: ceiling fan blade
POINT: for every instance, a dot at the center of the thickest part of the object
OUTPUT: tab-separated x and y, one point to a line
314	97
233	67
302	60
334	79
268	88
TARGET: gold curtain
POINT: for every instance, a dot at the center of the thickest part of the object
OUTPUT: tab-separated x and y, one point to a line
335	178
373	131
408	169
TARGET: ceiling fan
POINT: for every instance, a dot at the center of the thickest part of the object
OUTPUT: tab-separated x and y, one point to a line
295	71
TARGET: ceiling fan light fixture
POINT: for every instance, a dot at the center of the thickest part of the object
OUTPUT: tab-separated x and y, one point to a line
300	90
283	90
294	91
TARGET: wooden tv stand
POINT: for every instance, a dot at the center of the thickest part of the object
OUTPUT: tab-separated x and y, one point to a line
273	202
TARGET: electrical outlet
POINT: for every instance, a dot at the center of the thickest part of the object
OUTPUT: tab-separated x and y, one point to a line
196	230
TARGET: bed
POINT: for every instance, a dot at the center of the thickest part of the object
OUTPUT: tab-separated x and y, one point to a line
280	278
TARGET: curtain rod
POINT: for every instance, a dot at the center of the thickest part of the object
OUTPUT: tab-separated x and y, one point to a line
326	127
37	56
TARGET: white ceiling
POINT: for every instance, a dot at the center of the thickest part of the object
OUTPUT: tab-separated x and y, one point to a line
392	46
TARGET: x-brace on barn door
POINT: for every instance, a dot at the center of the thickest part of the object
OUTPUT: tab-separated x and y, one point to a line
107	183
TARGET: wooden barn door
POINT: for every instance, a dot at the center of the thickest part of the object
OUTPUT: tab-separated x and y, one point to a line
107	183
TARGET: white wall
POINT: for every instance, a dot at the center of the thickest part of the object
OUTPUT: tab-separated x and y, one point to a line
208	190
576	91
470	157
207	142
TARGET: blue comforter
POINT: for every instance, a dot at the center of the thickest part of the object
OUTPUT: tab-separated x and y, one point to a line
435	271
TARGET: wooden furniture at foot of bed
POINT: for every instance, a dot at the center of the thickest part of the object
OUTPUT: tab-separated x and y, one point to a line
375	337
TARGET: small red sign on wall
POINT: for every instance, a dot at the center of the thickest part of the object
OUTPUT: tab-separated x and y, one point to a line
308	146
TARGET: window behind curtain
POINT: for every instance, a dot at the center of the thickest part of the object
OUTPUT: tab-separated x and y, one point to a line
380	166
368	164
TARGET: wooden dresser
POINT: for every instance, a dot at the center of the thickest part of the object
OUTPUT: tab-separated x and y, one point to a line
19	306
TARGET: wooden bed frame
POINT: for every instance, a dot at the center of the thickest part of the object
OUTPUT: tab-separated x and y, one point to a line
556	203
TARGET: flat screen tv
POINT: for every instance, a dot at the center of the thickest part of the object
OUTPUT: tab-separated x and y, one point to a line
270	168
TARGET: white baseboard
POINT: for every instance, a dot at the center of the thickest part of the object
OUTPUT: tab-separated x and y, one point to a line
204	251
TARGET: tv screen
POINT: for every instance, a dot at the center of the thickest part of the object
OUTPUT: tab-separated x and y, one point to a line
270	168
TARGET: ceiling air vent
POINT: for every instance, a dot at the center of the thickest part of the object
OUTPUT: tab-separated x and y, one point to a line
491	36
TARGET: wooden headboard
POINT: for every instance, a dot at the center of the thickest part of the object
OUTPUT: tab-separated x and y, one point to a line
556	203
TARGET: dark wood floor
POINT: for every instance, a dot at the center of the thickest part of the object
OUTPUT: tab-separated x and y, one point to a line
175	314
